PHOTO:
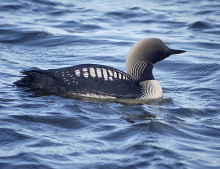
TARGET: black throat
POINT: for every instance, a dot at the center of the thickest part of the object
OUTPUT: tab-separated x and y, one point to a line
147	73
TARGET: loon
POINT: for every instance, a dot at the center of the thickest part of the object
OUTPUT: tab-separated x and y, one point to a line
104	81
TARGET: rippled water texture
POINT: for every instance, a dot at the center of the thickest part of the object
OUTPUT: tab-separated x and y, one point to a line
182	130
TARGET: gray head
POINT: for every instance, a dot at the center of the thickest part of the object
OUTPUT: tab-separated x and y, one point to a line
144	54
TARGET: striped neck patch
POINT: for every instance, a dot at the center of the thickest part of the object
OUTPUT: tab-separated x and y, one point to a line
138	68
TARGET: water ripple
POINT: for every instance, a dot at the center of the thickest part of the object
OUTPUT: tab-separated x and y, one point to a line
40	130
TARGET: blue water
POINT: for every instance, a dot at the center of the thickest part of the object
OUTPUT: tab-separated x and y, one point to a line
182	130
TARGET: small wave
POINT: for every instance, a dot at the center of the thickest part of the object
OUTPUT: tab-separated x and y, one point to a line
201	71
55	121
124	15
11	7
11	137
23	37
46	2
199	25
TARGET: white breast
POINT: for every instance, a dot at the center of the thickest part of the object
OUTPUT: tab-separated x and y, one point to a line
151	89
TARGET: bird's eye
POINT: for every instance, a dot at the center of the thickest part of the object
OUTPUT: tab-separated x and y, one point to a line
155	49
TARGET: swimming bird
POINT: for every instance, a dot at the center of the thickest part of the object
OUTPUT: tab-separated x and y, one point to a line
104	81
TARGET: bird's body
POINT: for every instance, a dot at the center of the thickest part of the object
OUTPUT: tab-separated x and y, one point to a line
104	81
85	79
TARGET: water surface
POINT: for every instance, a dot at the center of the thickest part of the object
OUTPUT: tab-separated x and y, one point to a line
182	130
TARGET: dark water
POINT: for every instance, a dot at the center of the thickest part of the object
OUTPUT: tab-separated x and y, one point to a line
182	130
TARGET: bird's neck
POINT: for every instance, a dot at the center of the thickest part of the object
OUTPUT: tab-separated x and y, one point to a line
141	71
147	73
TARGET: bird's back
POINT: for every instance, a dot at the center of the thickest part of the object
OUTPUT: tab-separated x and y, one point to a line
85	79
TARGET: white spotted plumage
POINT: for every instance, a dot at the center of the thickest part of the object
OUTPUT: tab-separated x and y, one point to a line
115	75
77	73
99	73
86	74
105	74
92	72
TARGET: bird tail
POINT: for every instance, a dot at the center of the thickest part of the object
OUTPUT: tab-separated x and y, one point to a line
27	79
38	79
